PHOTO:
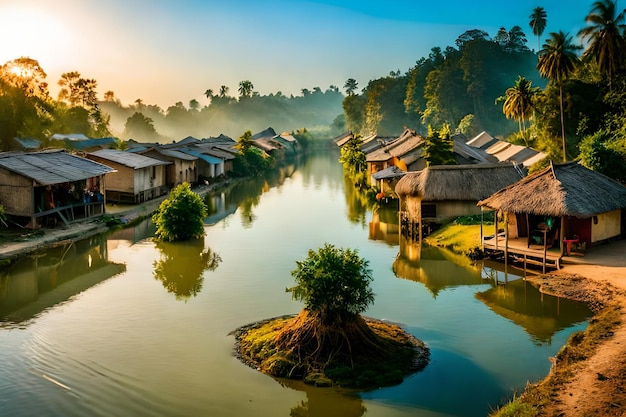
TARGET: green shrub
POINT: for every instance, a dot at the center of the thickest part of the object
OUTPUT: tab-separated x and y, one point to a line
180	217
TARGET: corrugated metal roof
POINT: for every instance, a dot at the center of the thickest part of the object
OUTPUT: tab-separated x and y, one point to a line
129	159
206	158
82	144
52	167
178	154
217	151
28	143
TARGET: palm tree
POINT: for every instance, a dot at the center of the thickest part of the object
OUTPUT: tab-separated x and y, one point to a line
557	60
245	88
538	21
605	32
351	85
223	91
208	93
519	102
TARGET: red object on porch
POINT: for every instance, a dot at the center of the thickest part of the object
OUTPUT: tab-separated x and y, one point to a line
568	244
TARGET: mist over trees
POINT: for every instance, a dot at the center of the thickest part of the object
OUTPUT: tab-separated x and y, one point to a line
27	110
316	110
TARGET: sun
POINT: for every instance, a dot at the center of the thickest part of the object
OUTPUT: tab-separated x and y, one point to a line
30	31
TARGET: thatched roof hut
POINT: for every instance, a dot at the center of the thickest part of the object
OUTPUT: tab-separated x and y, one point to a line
567	189
457	182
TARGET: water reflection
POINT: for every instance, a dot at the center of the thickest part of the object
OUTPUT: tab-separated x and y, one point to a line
181	266
356	202
541	316
436	268
246	195
325	402
384	225
52	276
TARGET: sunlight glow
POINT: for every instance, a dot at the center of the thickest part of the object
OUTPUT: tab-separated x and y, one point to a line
30	32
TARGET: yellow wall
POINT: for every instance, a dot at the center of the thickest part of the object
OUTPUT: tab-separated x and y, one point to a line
609	225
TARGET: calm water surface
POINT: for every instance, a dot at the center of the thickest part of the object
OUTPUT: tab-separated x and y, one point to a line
120	326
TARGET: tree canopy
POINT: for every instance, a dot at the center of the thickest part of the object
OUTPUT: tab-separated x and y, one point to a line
180	216
334	282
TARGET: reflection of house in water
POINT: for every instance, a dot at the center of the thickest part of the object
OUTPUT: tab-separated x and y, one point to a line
134	234
541	316
50	277
384	226
436	268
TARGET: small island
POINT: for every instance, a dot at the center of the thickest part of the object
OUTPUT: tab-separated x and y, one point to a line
329	343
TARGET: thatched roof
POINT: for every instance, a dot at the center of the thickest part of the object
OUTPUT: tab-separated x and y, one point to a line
567	189
457	182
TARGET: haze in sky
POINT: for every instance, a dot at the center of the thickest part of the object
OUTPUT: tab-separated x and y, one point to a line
165	51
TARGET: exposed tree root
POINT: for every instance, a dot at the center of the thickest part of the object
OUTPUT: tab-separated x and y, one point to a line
339	348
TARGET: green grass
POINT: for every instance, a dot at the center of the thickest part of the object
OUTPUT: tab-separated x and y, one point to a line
458	238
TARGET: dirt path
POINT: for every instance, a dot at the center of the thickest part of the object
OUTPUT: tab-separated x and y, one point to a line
598	386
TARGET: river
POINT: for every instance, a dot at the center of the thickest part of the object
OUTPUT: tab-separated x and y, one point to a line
117	325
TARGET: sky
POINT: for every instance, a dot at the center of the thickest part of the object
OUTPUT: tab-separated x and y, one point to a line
166	51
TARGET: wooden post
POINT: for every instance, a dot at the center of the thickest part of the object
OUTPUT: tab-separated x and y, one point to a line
506	247
482	238
496	234
545	248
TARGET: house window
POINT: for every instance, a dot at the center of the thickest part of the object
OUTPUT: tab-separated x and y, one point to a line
429	210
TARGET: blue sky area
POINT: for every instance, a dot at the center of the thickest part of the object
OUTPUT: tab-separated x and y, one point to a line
164	51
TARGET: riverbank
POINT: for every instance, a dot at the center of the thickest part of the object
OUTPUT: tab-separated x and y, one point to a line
588	375
28	241
594	383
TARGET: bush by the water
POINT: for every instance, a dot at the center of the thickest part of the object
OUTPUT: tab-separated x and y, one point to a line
180	217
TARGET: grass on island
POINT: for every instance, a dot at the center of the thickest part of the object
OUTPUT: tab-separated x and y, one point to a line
397	355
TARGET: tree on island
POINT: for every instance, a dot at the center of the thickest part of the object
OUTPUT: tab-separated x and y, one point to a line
180	216
329	342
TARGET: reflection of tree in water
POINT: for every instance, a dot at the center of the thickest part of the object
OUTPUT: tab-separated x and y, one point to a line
181	266
326	402
357	202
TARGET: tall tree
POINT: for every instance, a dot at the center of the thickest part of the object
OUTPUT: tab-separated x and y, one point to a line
538	21
223	91
244	142
605	33
518	102
208	93
27	75
350	86
245	88
557	60
439	147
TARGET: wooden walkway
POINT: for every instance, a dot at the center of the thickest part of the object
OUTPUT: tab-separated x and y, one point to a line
518	251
